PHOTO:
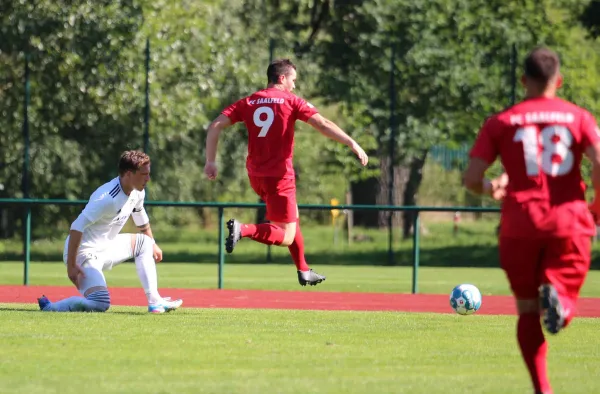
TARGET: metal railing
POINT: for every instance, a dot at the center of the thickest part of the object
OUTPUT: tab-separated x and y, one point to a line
29	202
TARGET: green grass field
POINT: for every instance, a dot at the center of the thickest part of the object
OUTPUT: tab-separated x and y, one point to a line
267	351
274	351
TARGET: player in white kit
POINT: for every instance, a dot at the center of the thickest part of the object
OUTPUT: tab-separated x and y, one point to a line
94	243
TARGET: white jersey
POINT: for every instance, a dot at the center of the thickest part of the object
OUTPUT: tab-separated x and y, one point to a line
108	209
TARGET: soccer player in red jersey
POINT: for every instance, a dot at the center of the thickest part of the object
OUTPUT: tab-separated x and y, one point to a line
269	116
545	237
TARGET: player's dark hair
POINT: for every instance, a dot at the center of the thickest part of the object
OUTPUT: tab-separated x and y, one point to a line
541	65
132	160
279	67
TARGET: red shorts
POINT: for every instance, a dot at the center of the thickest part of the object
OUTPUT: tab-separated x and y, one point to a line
280	197
562	262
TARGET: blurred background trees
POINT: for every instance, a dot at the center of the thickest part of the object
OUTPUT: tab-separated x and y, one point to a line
401	76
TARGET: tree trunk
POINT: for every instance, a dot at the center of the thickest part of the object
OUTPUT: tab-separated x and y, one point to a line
375	191
411	190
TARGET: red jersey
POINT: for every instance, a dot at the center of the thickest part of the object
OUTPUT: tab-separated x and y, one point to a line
541	142
269	115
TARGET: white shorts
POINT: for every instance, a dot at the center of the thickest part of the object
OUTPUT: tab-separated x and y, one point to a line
116	252
94	262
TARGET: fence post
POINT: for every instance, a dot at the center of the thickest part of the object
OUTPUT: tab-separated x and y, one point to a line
25	178
27	245
221	242
392	148
416	246
271	50
147	98
513	74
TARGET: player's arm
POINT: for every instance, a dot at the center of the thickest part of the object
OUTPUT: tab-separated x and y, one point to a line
212	138
331	130
90	214
475	181
593	153
212	142
96	208
142	221
75	236
591	141
482	156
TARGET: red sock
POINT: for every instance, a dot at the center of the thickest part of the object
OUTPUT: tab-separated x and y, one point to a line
297	250
534	349
265	233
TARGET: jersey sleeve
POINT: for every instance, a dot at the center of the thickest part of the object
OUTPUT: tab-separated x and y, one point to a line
304	109
589	130
235	111
485	147
97	207
139	206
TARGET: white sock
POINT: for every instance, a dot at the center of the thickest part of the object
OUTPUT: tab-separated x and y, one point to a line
146	270
146	267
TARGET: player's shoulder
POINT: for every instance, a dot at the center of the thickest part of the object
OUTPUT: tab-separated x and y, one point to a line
141	194
107	192
497	118
568	106
546	105
271	93
298	102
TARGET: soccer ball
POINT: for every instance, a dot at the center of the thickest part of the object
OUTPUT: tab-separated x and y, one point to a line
465	299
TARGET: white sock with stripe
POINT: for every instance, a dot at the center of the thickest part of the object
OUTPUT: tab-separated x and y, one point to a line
146	267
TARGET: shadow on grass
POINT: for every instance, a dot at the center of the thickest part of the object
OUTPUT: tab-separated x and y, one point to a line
140	312
3	309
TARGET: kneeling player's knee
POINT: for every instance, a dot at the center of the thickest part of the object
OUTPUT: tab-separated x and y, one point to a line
143	244
527	306
99	300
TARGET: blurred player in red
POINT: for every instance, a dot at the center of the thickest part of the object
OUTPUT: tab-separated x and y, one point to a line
545	237
269	116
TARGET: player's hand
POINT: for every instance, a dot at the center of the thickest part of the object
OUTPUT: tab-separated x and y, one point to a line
498	191
157	254
75	274
210	169
360	153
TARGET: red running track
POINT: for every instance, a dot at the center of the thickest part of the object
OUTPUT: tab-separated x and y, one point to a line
306	300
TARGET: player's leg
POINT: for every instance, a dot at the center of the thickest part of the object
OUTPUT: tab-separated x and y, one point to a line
297	247
95	295
141	248
520	259
305	274
282	211
284	228
272	191
564	268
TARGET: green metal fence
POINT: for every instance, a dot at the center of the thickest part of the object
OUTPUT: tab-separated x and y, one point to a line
29	202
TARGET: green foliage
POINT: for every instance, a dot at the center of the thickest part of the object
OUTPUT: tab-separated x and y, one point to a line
87	83
79	99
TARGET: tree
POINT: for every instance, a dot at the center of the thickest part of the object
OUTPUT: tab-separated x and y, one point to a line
78	99
451	71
